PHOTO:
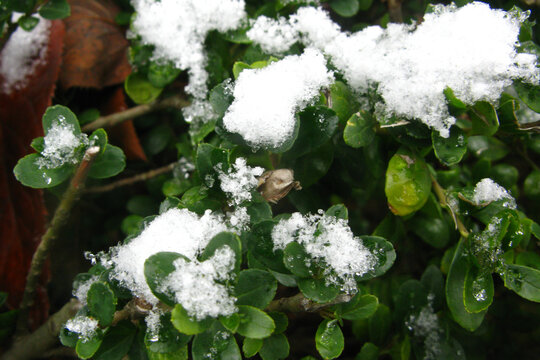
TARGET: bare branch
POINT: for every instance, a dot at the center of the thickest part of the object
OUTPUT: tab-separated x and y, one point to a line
299	303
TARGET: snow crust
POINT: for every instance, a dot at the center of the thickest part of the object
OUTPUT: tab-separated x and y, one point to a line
328	239
487	190
266	100
240	181
23	52
471	49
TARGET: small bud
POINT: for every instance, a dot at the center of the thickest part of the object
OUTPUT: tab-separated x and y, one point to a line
276	184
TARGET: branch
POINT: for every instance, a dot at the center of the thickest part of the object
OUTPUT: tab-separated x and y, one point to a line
394	11
61	215
117	118
132	180
45	337
299	303
441	195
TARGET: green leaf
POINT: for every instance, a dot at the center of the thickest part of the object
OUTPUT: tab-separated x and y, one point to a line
28	172
180	354
22	6
230	322
317	290
329	339
339	211
55	9
478	290
453	100
68	338
433	282
110	163
359	130
524	280
161	75
254	323
343	101
221	97
487	147
317	125
132	224
529	94
167	339
434	231
369	351
28	23
187	325
59	114
345	8
238	67
297	260
140	89
484	119
99	138
308	169
251	346
408	183
455	287
280	320
88	116
101	303
379	325
275	347
384	253
259	211
360	307
117	342
87	349
531	185
157	139
411	298
255	288
156	269
38	144
223	239
208	157
450	150
261	246
215	343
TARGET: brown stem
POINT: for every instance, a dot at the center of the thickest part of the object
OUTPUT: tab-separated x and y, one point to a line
394	11
299	303
61	215
45	337
132	180
441	195
117	118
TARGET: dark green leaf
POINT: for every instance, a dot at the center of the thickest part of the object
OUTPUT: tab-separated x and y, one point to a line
379	325
318	290
275	347
143	205
117	342
529	94
167	339
329	339
360	130
297	260
88	116
435	231
411	298
360	307
131	224
478	290
101	302
156	269
524	280
261	246
308	169
140	90
230	322
61	115
369	351
384	253
280	320
254	323
99	138
221	97
251	346
484	119
110	163
187	325
343	101
215	343
339	211
259	211
87	348
255	288
55	9
161	75
224	239
68	338
345	8
433	282
531	185
208	158
28	23
450	150
488	148
453	100
29	173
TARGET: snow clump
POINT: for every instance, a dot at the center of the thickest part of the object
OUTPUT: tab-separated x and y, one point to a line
23	52
239	181
266	100
329	239
487	191
85	326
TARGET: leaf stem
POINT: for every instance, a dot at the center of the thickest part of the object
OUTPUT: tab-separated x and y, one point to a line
117	118
61	215
299	303
441	195
132	180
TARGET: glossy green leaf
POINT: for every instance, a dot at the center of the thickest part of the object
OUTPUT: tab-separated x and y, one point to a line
62	116
117	342
434	231
167	339
433	281
221	97
529	94
384	253
254	323
215	343
524	280
261	246
360	307
99	138
101	302
478	290
308	169
345	8
317	290
238	67
140	89
187	325
132	224
408	183
180	354
156	269
255	288
275	347
343	101
411	298
280	320
379	325
531	185
251	346
455	287
157	139
208	158
360	129
329	339
161	75
29	173
339	211
223	239
484	119
369	351
488	148
87	348
55	9
297	260
110	163
450	150
453	100
230	322
28	23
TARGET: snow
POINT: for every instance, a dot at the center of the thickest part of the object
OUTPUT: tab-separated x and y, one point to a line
178	29
176	230
405	62
239	219
328	239
274	36
487	191
81	291
426	325
23	52
266	100
85	326
60	145
200	287
240	181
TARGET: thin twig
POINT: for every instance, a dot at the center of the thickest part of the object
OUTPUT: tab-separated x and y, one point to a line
441	195
299	303
132	180
45	337
61	215
131	113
